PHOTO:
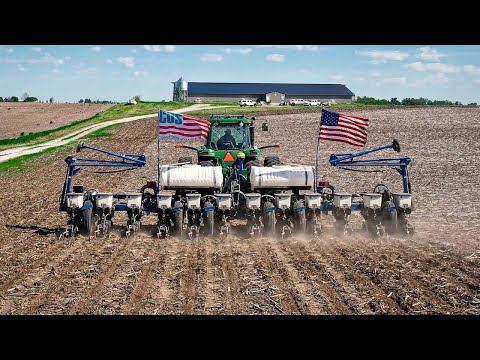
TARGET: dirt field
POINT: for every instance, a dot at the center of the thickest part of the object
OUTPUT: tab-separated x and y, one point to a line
34	117
436	271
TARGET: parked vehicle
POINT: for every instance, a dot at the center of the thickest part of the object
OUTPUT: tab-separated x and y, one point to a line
311	103
244	102
294	102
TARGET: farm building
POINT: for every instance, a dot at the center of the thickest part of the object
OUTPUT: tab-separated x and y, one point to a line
271	93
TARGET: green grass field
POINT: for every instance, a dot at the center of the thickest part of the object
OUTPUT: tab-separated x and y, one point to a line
115	112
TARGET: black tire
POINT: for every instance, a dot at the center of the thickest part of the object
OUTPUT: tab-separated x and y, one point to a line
269	219
251	163
207	163
272	160
299	217
184	159
87	226
209	228
178	228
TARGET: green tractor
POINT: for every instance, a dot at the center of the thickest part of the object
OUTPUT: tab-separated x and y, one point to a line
231	137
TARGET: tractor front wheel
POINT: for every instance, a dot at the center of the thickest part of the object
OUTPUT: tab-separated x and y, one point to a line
272	160
207	163
185	159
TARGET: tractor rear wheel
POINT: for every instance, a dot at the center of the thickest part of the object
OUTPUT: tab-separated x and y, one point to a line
207	163
269	219
178	227
272	160
185	159
208	219
250	163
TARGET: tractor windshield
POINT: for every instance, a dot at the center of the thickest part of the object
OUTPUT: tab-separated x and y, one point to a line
228	136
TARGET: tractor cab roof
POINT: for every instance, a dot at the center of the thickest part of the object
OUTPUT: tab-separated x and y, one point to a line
227	118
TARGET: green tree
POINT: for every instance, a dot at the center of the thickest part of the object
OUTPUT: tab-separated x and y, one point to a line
30	99
51	100
137	98
88	101
80	101
13	99
394	101
1	99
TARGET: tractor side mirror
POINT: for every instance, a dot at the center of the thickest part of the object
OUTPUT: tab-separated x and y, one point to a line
265	126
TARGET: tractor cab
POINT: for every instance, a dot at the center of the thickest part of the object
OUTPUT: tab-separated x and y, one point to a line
229	135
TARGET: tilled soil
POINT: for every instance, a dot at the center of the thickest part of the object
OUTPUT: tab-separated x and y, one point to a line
34	117
435	271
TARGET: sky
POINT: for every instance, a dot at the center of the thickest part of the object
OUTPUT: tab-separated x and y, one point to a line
118	72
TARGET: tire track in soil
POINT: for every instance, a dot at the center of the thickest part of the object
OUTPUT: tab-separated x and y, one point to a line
373	299
55	248
273	270
451	263
84	305
137	297
404	290
54	290
254	286
210	302
326	287
232	284
34	276
159	296
187	283
435	275
175	304
201	276
118	290
303	283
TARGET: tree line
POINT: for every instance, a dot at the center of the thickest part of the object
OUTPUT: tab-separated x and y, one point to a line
88	101
409	101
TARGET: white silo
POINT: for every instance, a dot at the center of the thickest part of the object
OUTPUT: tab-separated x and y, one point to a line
181	88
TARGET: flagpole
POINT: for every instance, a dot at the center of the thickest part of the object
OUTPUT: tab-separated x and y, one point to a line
316	158
158	153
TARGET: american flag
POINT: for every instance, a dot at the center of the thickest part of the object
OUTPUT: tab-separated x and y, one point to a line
345	128
179	126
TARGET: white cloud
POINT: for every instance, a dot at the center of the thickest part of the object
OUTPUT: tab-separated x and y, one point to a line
89	71
96	49
109	61
20	67
68	58
128	61
439	67
47	59
154	48
134	51
140	73
211	57
244	51
296	47
9	50
429	54
56	71
471	69
158	48
436	79
275	57
383	56
37	49
395	80
338	77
